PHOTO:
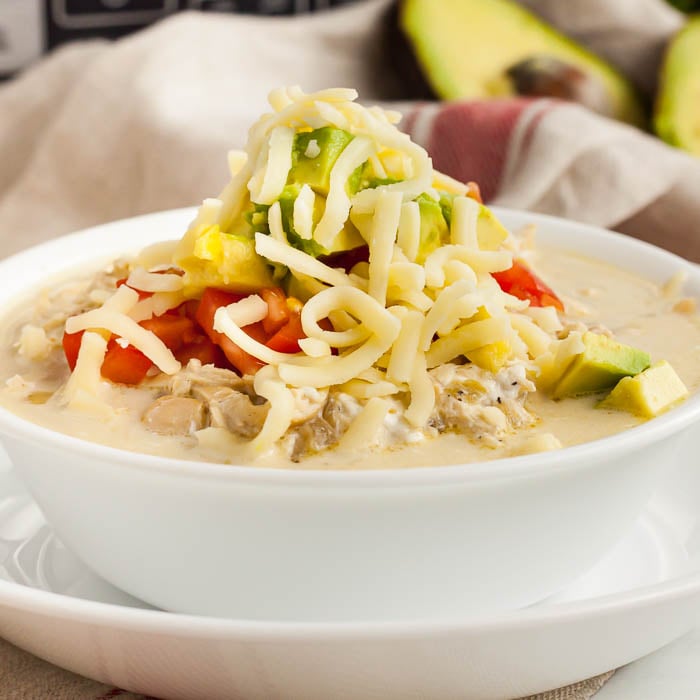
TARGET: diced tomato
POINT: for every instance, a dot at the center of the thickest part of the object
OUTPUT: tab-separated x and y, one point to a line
347	259
125	365
287	338
188	308
277	309
521	282
142	295
240	359
175	331
213	299
71	347
474	192
202	349
280	330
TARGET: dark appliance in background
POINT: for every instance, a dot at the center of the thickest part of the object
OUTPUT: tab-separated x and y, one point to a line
30	28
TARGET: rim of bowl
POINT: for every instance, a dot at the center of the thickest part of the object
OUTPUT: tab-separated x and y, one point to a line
522	466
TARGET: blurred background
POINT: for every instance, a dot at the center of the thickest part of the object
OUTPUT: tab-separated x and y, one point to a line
587	109
29	28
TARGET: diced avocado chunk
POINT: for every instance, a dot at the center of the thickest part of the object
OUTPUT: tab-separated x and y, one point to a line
490	232
649	393
223	260
347	239
286	200
677	113
465	49
433	227
553	364
446	199
600	366
374	182
313	156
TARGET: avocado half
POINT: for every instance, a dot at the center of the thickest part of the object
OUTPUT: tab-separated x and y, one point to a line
677	113
476	49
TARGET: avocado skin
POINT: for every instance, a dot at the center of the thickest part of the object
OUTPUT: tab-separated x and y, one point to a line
600	366
685	5
677	110
426	42
399	56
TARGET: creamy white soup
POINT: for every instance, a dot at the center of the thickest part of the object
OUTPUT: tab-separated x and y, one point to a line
342	304
637	311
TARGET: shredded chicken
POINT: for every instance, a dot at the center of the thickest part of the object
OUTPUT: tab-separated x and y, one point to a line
175	415
482	406
233	410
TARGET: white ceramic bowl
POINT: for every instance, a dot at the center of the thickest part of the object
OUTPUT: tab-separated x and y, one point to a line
396	544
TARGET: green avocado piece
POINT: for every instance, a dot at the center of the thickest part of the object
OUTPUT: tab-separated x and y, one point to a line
348	238
677	112
286	200
475	49
434	230
489	230
313	156
648	394
600	366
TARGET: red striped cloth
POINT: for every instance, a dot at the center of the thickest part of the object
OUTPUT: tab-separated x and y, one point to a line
558	158
468	140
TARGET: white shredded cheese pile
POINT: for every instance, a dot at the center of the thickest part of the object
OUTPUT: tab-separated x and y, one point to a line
392	318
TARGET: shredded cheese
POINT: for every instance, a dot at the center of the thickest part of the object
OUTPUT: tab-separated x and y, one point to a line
154	282
409	230
422	394
465	338
274	220
121	325
465	212
365	428
224	323
381	245
390	313
236	161
338	202
268	385
279	162
250	309
85	379
304	212
298	261
405	349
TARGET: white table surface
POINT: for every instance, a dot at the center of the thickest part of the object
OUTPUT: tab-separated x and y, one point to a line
672	673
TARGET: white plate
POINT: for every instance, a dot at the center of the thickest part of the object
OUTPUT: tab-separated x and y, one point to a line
643	595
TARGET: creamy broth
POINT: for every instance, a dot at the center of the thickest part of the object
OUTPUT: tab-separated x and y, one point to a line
637	311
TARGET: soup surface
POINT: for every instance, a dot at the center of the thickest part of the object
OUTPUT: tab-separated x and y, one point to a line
343	304
636	311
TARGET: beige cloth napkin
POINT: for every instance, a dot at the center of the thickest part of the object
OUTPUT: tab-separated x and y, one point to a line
102	131
25	677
